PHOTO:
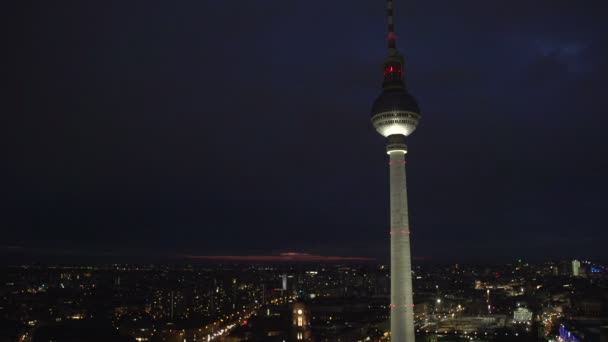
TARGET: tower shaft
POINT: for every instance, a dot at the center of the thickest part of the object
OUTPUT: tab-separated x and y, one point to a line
402	303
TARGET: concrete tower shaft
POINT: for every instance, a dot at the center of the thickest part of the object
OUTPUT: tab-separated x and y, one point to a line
402	303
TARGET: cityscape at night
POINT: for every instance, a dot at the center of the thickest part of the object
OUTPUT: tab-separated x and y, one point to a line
317	171
286	301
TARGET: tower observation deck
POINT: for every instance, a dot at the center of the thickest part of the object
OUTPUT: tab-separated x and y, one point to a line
395	115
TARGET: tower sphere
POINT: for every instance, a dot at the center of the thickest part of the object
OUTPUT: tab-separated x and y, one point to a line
395	112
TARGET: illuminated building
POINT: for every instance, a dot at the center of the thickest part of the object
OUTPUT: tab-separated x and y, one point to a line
576	267
395	115
284	282
582	331
301	322
522	314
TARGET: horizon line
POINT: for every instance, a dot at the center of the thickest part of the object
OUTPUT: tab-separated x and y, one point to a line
298	257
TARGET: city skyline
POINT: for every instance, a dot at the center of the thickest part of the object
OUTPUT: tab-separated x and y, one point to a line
162	131
527	302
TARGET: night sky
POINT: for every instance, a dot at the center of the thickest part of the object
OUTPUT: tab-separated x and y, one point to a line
242	128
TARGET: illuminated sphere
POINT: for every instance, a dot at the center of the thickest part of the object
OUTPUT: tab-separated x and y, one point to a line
395	112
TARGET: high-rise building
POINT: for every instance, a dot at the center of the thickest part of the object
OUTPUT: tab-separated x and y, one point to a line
522	314
576	268
395	115
301	322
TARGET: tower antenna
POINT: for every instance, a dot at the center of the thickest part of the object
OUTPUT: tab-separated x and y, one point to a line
391	26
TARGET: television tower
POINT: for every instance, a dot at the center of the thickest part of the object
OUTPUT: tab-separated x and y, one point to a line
395	115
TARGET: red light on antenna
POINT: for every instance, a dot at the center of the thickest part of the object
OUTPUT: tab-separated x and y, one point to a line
391	70
392	36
